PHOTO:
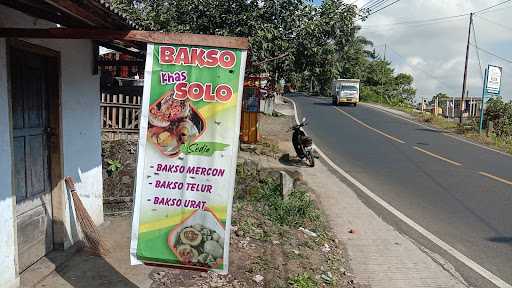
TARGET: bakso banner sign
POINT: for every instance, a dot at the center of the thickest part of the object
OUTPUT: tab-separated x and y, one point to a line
188	145
493	81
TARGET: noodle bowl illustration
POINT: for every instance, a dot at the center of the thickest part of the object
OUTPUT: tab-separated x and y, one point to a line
172	123
199	240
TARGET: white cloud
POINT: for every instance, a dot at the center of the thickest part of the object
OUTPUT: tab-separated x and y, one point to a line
434	53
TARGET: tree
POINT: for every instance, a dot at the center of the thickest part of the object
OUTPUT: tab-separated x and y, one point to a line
440	97
311	45
404	90
500	113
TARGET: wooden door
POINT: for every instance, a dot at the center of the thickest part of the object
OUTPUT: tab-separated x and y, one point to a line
29	92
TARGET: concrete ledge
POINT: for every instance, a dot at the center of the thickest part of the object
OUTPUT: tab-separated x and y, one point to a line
46	265
12	284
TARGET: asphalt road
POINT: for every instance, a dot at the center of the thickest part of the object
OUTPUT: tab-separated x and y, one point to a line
458	191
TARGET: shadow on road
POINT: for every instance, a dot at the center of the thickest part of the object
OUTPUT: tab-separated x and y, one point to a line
323	103
429	130
86	270
285	159
501	240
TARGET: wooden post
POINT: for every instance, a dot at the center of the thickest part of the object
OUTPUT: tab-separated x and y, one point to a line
108	122
114	112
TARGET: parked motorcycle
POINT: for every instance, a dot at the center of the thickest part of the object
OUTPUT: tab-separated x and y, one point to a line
302	143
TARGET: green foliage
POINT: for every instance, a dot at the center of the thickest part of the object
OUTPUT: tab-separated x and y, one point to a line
379	84
440	97
114	166
294	211
317	43
255	186
303	281
500	113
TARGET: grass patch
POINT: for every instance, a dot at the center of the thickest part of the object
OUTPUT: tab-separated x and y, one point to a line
267	233
293	212
303	281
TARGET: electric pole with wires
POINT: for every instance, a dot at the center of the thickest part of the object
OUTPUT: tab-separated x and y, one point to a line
465	71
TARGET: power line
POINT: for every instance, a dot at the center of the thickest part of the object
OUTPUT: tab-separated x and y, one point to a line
394	2
495	23
496	10
409	26
421	21
376	4
493	6
492	54
477	51
371	2
448	86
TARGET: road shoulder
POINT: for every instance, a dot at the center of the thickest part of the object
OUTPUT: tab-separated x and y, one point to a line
380	256
407	117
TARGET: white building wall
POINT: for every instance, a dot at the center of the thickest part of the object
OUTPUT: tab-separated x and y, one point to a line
81	130
8	275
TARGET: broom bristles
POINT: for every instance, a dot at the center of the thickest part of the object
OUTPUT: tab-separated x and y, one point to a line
91	233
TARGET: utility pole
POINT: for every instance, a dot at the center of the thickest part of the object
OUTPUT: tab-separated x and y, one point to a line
382	75
465	70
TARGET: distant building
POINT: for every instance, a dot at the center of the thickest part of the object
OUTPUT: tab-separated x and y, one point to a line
451	107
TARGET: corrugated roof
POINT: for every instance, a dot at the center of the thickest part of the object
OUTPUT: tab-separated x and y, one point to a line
108	4
75	14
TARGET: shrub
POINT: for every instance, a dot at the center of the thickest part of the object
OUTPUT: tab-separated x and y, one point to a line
302	281
294	211
114	166
500	113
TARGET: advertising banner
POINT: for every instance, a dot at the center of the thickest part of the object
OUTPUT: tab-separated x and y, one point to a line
190	125
493	81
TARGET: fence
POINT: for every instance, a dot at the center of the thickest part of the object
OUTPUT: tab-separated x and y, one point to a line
120	110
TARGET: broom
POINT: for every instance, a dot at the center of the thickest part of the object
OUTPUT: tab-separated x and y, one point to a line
92	236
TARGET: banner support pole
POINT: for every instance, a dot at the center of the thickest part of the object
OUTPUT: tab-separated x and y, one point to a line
484	86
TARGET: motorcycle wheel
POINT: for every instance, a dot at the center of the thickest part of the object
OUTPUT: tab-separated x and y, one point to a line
310	158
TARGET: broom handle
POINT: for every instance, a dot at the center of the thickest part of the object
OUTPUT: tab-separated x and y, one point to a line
70	183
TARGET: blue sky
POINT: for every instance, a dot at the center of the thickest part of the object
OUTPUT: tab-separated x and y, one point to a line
434	53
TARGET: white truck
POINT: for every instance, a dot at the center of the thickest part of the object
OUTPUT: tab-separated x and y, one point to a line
345	91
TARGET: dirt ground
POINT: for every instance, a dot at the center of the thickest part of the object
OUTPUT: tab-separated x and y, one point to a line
118	184
263	253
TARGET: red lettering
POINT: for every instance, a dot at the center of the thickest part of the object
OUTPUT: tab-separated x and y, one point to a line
182	56
167	54
223	93
181	91
195	91
227	59
208	95
211	58
197	57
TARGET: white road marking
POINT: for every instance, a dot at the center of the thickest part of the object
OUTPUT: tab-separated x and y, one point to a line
370	127
443	245
444	133
437	156
495	178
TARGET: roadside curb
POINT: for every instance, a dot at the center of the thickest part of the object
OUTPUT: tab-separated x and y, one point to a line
410	223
